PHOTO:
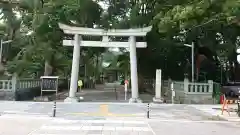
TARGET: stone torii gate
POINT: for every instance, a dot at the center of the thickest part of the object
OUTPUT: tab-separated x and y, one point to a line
77	42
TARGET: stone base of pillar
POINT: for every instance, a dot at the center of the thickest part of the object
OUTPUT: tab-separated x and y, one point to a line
72	99
135	100
157	100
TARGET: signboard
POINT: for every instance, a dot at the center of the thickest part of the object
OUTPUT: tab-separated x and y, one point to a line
49	83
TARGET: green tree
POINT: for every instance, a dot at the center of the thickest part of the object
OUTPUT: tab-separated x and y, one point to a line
44	46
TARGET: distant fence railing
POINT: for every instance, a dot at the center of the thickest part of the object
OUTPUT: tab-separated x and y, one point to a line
27	83
14	85
185	91
9	88
191	92
5	85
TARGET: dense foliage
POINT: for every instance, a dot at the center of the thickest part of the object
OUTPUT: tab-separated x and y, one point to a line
37	40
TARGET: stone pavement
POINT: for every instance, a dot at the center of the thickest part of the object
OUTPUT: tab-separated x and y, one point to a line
102	93
102	110
32	118
58	126
95	127
109	95
36	125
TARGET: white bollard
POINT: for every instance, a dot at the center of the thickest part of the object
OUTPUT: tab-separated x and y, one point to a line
173	92
125	90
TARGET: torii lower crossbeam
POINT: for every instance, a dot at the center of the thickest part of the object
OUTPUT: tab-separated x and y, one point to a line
104	44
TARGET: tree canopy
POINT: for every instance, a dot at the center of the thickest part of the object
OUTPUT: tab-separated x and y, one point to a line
37	40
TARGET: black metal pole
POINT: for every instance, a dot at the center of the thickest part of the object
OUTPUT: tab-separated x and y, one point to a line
238	108
148	111
54	109
115	89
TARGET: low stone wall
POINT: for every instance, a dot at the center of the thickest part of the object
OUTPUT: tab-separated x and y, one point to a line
198	99
7	95
24	94
27	94
183	98
30	93
20	95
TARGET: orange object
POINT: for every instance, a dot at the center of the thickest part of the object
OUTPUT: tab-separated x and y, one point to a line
221	99
224	102
225	107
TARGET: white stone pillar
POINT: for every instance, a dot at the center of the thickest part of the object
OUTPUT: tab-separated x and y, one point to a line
158	87
134	75
210	82
186	99
186	85
75	69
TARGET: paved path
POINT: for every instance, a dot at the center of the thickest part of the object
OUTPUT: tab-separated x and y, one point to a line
103	94
109	95
31	118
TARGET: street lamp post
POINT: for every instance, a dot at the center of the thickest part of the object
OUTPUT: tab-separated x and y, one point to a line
238	103
192	46
1	49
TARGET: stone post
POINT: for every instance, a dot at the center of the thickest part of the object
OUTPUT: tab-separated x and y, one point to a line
14	86
134	76
210	82
169	82
158	87
211	95
14	82
75	69
186	87
186	82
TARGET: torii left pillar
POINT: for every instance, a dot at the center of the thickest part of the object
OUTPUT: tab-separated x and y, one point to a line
75	69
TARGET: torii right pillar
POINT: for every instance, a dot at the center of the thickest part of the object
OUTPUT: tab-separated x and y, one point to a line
134	76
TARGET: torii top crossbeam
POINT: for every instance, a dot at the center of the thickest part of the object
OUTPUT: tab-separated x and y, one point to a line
101	32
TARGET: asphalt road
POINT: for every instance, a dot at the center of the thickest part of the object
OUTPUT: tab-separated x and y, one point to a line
29	118
86	110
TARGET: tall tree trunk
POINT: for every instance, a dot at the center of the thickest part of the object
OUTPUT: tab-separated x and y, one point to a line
1	68
48	69
96	69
